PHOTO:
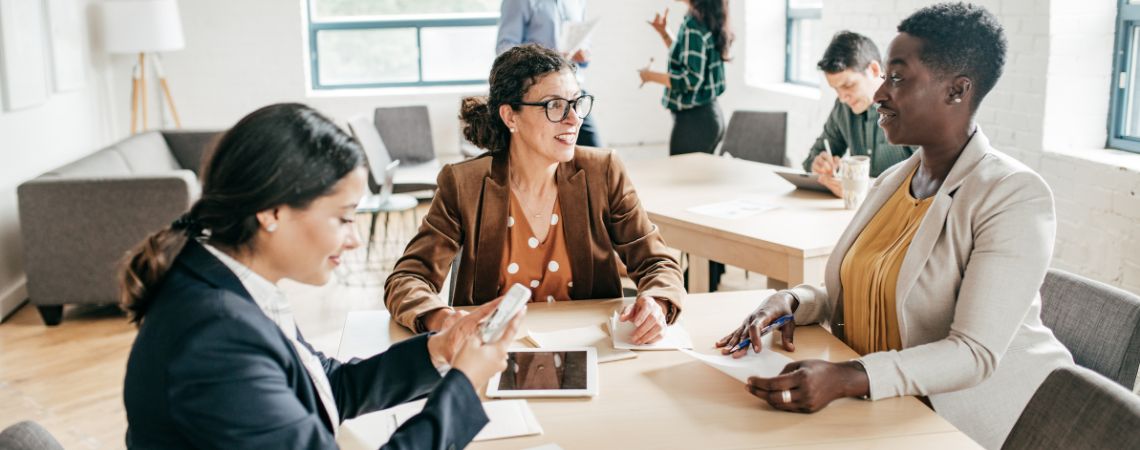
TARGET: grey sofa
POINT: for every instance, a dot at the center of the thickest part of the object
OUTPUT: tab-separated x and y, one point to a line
78	220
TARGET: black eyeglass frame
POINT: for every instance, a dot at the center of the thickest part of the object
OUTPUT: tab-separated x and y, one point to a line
570	104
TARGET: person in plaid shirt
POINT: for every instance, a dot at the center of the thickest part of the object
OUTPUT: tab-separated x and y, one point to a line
696	75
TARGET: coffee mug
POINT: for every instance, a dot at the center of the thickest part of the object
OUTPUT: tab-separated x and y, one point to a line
855	177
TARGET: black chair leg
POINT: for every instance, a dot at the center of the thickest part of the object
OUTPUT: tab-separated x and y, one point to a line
52	314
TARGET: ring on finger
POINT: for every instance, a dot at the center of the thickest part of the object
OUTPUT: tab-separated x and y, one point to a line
786	396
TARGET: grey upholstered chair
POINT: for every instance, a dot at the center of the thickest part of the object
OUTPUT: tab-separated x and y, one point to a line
27	435
1098	323
406	135
77	220
1076	408
759	136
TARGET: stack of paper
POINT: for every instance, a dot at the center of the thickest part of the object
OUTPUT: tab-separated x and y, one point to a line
589	336
509	418
675	337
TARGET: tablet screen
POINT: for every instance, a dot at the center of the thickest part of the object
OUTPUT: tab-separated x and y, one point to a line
544	371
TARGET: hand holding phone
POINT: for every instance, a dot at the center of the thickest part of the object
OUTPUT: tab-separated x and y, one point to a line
512	303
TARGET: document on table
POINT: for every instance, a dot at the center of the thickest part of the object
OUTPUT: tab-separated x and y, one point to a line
675	336
574	35
509	418
733	209
588	336
764	364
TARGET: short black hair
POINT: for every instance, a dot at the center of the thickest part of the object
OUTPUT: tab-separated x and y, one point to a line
849	50
960	39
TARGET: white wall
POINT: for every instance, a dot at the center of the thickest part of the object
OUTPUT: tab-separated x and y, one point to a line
71	124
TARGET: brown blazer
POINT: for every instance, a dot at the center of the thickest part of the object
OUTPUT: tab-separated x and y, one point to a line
602	218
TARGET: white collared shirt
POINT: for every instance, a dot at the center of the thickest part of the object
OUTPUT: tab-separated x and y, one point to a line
274	304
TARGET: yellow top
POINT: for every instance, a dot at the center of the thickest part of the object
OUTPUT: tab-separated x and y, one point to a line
870	272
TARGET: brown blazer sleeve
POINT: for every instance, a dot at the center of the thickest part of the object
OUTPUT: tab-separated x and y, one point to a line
413	287
639	244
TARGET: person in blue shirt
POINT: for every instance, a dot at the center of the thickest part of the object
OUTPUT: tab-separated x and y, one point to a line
540	22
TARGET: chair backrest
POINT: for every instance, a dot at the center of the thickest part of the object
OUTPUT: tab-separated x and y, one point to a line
1077	408
27	435
375	151
1098	323
759	136
407	133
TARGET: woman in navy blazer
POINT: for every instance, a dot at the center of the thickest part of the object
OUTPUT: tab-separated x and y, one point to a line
218	362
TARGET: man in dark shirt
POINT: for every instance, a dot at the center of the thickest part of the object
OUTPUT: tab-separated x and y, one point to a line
852	66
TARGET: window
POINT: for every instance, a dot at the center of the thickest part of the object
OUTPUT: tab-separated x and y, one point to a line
800	56
392	43
1124	117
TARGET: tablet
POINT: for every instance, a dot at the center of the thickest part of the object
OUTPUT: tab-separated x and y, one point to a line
809	181
547	372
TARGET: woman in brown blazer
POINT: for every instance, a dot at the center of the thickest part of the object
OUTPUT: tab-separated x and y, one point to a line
535	210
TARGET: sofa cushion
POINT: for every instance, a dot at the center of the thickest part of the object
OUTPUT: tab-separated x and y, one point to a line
101	164
147	153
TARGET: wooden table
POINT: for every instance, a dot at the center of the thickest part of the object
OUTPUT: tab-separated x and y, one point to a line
669	400
789	244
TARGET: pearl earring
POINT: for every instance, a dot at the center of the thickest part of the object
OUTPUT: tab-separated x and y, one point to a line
513	130
271	227
958	100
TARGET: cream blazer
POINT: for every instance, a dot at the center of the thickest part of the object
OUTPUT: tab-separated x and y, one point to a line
967	296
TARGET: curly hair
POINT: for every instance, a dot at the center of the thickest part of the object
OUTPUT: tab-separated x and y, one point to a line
512	75
960	39
713	14
849	50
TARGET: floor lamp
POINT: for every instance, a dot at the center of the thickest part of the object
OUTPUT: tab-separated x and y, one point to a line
143	28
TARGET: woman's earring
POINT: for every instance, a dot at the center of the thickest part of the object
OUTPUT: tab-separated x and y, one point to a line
271	227
958	100
513	130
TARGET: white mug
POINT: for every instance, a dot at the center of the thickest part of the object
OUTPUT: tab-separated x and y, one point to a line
855	177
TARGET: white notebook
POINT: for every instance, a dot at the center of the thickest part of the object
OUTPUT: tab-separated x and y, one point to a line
509	418
675	336
588	336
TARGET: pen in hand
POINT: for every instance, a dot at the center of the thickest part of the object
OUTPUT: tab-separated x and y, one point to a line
647	66
768	329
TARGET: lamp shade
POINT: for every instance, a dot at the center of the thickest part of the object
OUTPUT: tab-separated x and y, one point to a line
134	26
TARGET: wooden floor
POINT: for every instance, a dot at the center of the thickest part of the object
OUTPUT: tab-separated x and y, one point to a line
69	378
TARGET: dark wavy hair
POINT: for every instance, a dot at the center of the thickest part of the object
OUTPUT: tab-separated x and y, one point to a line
849	50
960	39
512	75
283	154
713	14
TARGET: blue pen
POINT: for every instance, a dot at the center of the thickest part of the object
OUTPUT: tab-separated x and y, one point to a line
768	329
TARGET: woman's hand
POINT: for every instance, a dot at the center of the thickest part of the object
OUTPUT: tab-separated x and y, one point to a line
660	23
446	344
810	385
649	76
648	315
775	306
480	361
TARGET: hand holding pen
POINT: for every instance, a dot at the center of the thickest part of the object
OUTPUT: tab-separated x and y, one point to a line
763	331
642	72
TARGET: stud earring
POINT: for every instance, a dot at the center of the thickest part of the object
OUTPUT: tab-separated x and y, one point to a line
271	227
958	100
513	130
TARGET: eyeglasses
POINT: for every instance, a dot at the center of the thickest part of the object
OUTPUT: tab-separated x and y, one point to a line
558	108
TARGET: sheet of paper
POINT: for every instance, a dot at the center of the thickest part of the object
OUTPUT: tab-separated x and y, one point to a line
574	35
763	364
732	209
588	336
509	418
676	337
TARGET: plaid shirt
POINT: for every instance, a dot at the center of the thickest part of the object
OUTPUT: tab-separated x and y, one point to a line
696	71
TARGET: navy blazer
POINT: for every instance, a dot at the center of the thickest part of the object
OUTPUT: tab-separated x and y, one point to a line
209	369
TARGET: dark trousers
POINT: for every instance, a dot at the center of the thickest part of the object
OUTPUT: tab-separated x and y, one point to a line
697	129
588	134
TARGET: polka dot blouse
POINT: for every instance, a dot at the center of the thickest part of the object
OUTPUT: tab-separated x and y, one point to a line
543	266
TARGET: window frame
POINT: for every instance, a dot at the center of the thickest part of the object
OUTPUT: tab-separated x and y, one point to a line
791	16
418	22
1127	20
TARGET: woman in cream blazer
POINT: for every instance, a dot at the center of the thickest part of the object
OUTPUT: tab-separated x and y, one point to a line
966	299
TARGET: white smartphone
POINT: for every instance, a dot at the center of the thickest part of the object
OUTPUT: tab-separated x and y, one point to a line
512	303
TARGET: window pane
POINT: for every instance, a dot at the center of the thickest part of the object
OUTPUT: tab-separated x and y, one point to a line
331	8
798	4
1132	90
801	64
367	56
458	53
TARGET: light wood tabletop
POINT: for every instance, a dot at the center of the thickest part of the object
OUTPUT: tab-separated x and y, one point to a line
666	399
789	244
